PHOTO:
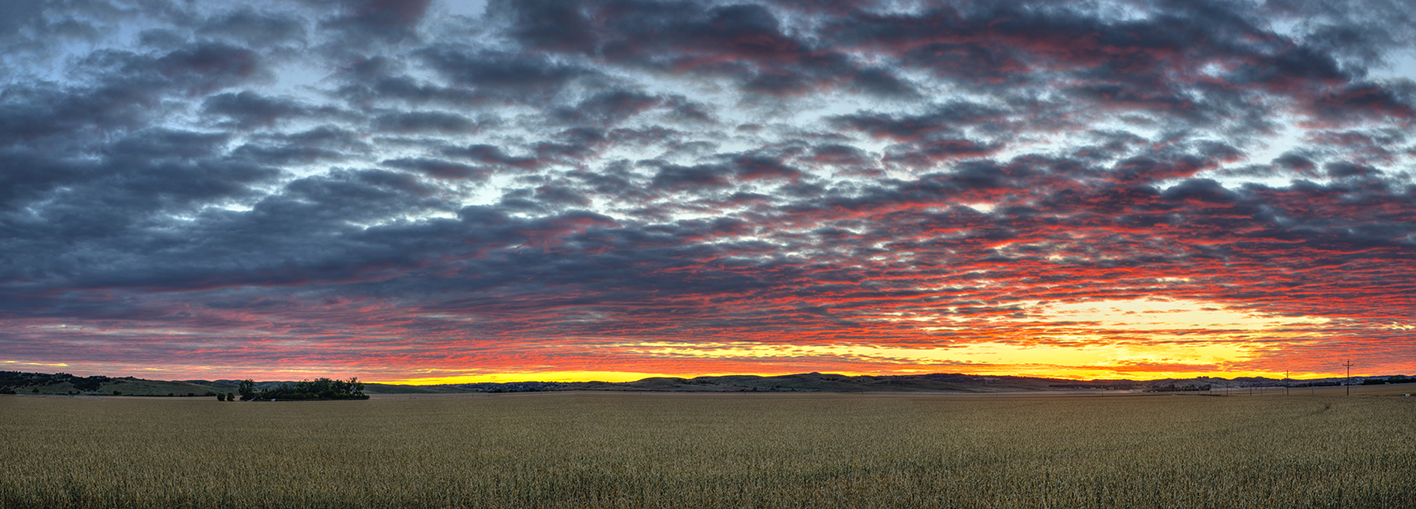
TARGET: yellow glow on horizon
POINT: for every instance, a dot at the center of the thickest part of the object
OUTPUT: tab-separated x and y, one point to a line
528	376
1037	371
1136	339
1107	358
1069	340
50	364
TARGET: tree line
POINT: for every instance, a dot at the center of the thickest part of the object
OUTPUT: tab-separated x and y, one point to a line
1394	379
12	380
304	390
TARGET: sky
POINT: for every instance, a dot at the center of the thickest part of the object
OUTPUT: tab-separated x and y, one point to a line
435	191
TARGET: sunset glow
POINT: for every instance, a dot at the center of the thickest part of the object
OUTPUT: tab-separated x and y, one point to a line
435	191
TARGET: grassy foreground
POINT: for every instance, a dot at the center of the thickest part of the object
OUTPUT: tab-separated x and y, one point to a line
712	450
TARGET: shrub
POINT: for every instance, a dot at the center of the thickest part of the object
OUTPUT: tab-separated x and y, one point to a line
88	384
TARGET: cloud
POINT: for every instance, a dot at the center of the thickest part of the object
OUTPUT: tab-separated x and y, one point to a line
500	75
608	108
254	28
207	67
423	121
391	20
439	169
368	187
248	109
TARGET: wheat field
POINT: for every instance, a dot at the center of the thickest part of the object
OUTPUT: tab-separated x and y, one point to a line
589	450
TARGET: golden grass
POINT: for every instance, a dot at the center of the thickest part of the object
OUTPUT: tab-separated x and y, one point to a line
712	450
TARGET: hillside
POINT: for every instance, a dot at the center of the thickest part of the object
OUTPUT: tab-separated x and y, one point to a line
825	382
934	382
64	383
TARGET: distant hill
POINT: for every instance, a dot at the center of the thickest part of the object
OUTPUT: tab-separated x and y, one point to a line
369	388
934	382
64	383
826	382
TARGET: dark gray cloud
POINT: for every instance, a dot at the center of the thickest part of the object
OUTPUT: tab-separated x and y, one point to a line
489	154
423	122
248	109
608	108
439	168
504	76
14	15
250	27
202	68
386	20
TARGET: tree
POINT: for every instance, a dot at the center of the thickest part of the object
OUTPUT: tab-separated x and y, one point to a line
220	397
230	396
319	388
88	384
247	388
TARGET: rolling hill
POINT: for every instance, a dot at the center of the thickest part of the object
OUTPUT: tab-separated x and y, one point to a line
67	384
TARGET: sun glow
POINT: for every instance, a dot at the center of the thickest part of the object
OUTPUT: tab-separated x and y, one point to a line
1081	360
1141	338
1159	314
527	376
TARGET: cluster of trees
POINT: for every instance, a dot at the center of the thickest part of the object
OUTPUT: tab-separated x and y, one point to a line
319	388
1394	379
87	384
514	386
11	380
1105	385
1178	388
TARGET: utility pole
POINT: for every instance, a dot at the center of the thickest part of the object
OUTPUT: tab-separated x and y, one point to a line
1349	376
1285	383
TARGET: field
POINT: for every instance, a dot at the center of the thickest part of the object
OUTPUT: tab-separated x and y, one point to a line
586	449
